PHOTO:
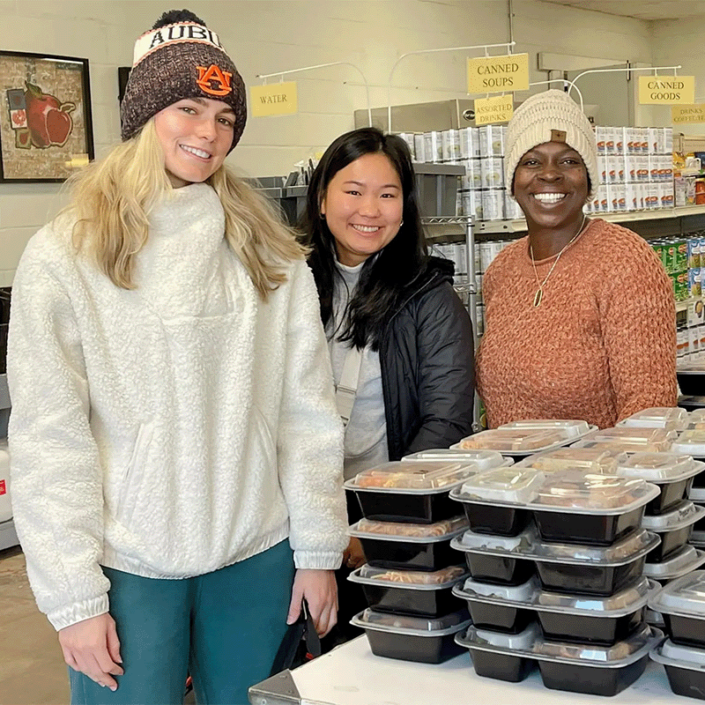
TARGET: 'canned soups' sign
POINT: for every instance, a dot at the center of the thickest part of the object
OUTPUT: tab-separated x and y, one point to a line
666	90
498	74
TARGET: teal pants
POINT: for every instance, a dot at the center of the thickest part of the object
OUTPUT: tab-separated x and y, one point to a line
224	628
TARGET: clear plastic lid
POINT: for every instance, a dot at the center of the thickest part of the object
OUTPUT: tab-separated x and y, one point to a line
417	626
629	440
660	467
515	441
691	442
697	416
528	544
513	484
575	429
688	657
412	577
481	459
502	593
570	491
620	651
686	560
421	475
530	644
401	530
685	514
592	460
523	641
684	596
668	418
531	596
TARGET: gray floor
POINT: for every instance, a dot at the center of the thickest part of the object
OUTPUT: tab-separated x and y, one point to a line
32	669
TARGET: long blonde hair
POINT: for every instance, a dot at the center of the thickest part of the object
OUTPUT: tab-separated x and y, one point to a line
111	200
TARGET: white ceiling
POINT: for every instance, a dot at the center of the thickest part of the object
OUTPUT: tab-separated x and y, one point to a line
642	9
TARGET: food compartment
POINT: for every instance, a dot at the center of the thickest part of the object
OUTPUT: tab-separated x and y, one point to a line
480	459
499	570
412	491
573	428
682	604
674	527
590	629
691	442
629	440
410	592
492	655
589	579
588	460
511	617
412	638
667	418
408	546
676	565
516	441
685	668
673	473
590	509
591	680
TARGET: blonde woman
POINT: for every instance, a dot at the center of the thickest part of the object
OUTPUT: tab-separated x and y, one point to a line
176	450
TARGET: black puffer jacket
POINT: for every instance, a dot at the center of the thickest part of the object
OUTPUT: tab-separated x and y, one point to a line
427	360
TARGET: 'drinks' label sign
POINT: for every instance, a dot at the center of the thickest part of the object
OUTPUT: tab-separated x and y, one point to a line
688	113
498	74
496	109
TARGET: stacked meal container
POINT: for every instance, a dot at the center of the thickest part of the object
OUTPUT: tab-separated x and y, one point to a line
556	554
682	604
407	527
650	441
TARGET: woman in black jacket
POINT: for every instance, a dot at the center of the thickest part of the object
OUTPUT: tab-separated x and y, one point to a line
382	295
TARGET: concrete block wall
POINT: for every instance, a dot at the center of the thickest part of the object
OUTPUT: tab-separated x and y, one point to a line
264	36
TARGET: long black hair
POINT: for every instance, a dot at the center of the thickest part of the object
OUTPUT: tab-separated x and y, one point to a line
385	275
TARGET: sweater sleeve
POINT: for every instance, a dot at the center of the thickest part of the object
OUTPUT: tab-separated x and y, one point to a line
639	331
446	390
56	477
311	435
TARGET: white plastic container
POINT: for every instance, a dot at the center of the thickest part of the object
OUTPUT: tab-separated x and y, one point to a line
514	441
589	460
5	507
631	440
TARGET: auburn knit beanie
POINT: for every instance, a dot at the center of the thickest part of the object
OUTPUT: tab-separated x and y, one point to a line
551	116
180	58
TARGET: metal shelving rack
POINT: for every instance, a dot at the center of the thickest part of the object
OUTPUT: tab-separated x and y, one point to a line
8	535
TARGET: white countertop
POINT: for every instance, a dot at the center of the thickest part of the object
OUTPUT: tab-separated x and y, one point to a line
352	675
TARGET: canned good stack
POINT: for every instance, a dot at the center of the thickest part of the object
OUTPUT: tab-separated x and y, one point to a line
556	553
682	258
636	169
682	603
485	252
407	527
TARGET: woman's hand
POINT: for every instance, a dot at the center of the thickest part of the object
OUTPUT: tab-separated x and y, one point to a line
92	647
320	591
354	557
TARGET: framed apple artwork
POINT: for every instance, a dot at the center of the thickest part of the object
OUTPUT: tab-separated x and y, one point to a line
46	131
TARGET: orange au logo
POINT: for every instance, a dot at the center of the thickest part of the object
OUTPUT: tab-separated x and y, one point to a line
214	74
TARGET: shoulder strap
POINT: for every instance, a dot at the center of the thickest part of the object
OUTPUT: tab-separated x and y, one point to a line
346	391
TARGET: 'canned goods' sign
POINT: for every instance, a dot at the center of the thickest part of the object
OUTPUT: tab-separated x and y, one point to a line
666	90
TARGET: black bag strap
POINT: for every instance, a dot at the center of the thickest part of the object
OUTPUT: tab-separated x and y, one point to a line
300	631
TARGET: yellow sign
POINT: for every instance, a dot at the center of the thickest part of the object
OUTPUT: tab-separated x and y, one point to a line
666	90
274	99
497	109
688	113
498	74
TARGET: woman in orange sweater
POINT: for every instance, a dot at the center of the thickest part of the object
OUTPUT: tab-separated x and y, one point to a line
580	320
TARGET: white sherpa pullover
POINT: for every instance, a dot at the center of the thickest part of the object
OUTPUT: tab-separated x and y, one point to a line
170	430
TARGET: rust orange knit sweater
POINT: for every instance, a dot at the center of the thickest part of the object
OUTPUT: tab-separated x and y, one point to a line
602	344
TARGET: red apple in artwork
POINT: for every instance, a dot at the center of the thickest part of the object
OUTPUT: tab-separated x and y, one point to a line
49	121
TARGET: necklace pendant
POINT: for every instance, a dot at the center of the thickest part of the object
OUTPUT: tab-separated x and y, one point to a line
537	297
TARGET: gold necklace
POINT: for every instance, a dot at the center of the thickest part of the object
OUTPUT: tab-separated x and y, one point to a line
538	296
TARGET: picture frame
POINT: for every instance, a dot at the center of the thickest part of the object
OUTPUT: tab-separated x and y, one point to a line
46	126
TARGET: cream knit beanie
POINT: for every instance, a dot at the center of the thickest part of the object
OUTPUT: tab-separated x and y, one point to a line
545	117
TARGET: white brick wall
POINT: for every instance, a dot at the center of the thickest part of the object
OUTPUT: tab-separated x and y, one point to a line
269	35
